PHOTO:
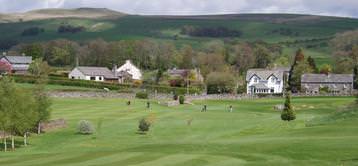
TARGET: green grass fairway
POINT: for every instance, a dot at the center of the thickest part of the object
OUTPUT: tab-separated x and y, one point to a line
252	135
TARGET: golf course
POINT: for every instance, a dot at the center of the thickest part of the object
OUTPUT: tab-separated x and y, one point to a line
253	134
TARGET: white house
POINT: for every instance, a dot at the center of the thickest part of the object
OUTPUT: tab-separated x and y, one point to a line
93	73
131	69
266	81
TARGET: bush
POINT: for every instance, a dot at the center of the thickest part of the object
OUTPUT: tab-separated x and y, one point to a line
144	125
85	127
181	99
141	95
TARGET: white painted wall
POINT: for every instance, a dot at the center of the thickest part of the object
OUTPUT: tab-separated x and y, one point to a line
131	69
271	82
77	74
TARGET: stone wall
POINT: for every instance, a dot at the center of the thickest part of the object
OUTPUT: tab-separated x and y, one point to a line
170	96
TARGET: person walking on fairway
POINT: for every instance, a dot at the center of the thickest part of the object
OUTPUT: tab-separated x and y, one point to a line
204	109
230	108
148	105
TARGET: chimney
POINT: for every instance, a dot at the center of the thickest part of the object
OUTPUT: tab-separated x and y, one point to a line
114	70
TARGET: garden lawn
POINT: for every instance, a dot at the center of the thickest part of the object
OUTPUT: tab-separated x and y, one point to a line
253	134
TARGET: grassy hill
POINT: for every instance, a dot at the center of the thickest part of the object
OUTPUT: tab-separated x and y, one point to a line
112	26
253	134
92	13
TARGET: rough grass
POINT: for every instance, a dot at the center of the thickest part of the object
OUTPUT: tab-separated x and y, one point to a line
252	135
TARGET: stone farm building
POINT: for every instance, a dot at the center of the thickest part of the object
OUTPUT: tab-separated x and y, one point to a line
18	64
266	81
331	83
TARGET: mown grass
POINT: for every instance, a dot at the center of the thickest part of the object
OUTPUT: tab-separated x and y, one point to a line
251	135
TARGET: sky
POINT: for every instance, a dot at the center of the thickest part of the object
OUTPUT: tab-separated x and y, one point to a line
346	8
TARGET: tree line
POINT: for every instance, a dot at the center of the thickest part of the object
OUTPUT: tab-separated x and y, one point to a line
210	31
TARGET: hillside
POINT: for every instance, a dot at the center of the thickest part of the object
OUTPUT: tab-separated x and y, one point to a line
289	30
92	13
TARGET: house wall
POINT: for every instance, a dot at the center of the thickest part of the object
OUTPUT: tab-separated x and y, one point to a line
252	82
277	85
314	88
131	69
5	61
78	75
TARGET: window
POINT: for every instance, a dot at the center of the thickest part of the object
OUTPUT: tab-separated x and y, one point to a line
100	78
93	78
73	77
255	79
273	80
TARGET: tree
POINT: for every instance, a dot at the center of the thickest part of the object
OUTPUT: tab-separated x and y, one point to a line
288	114
245	57
355	72
35	50
263	57
39	68
298	68
188	55
345	51
220	82
311	62
299	56
42	104
326	69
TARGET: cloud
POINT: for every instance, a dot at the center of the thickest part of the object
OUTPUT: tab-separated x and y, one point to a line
187	7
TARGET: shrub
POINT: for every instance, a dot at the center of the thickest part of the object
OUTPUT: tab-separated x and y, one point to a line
324	90
181	99
141	95
288	114
144	125
85	127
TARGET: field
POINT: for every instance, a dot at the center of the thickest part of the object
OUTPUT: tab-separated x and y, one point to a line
252	134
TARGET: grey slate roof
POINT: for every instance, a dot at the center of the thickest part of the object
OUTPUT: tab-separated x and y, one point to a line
19	59
260	86
266	73
97	71
330	78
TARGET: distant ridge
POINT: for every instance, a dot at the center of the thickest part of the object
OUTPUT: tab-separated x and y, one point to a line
93	13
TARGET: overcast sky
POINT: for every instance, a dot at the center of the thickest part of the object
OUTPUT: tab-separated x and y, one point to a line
347	8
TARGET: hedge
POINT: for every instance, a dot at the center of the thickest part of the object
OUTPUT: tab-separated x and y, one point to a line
54	80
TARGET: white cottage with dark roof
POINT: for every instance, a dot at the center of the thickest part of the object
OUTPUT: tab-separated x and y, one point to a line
266	81
334	83
93	73
18	64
